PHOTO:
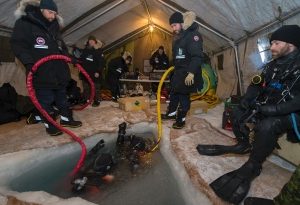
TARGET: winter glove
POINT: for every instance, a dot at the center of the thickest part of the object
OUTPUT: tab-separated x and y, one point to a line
189	79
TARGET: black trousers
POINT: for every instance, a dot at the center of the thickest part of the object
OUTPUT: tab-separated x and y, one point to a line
182	100
114	86
267	130
87	90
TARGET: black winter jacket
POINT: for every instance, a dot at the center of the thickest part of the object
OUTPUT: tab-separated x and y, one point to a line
34	38
187	56
93	62
159	62
116	67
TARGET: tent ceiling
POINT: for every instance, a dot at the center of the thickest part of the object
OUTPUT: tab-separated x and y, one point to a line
235	19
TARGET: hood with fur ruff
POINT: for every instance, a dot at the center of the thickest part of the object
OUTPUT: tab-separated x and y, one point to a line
188	19
21	10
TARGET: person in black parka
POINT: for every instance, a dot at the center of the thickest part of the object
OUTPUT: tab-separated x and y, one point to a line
36	34
116	68
159	60
93	62
187	52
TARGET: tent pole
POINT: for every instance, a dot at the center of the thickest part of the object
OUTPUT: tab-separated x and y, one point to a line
6	29
231	42
163	30
92	19
134	34
240	82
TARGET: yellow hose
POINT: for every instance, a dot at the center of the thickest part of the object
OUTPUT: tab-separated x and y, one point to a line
211	100
200	94
159	126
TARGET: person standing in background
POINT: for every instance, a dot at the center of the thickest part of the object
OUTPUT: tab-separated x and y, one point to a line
93	62
116	68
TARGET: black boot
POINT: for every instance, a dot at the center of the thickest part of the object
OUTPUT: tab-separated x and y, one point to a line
52	130
96	103
33	119
258	201
242	147
169	116
70	122
234	186
180	120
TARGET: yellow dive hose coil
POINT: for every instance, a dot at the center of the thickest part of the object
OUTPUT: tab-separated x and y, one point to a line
211	100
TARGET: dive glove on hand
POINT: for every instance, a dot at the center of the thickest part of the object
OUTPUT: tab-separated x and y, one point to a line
189	79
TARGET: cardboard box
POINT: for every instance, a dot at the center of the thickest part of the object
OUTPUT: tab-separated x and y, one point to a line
134	103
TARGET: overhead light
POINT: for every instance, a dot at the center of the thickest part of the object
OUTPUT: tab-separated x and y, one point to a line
151	28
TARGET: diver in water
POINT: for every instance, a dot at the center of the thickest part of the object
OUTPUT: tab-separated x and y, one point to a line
98	165
131	147
96	169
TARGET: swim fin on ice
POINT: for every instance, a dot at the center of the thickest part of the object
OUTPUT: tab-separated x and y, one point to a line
234	186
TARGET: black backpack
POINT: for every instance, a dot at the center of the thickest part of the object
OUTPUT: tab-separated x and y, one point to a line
8	101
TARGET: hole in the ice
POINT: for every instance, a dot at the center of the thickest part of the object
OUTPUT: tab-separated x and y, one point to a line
148	185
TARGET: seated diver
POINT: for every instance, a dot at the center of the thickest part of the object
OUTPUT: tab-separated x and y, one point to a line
272	104
96	168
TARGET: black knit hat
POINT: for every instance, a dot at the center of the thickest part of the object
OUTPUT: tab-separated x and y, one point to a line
287	33
176	18
48	4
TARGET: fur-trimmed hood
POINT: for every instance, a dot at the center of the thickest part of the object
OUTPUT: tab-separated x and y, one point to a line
99	44
23	4
188	19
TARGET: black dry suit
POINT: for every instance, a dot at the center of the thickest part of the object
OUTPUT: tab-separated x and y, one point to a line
270	102
187	57
34	38
274	98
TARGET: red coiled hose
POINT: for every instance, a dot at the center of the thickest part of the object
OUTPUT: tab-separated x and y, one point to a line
32	95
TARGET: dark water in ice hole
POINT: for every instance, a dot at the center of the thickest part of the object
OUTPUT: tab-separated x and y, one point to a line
153	185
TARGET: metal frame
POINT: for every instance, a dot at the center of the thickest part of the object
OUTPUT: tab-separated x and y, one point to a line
92	19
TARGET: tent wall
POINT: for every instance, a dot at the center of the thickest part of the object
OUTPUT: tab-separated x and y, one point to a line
250	62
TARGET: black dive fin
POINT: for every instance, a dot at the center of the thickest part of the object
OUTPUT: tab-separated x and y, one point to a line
215	150
231	187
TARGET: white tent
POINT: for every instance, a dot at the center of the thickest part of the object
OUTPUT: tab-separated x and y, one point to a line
230	27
